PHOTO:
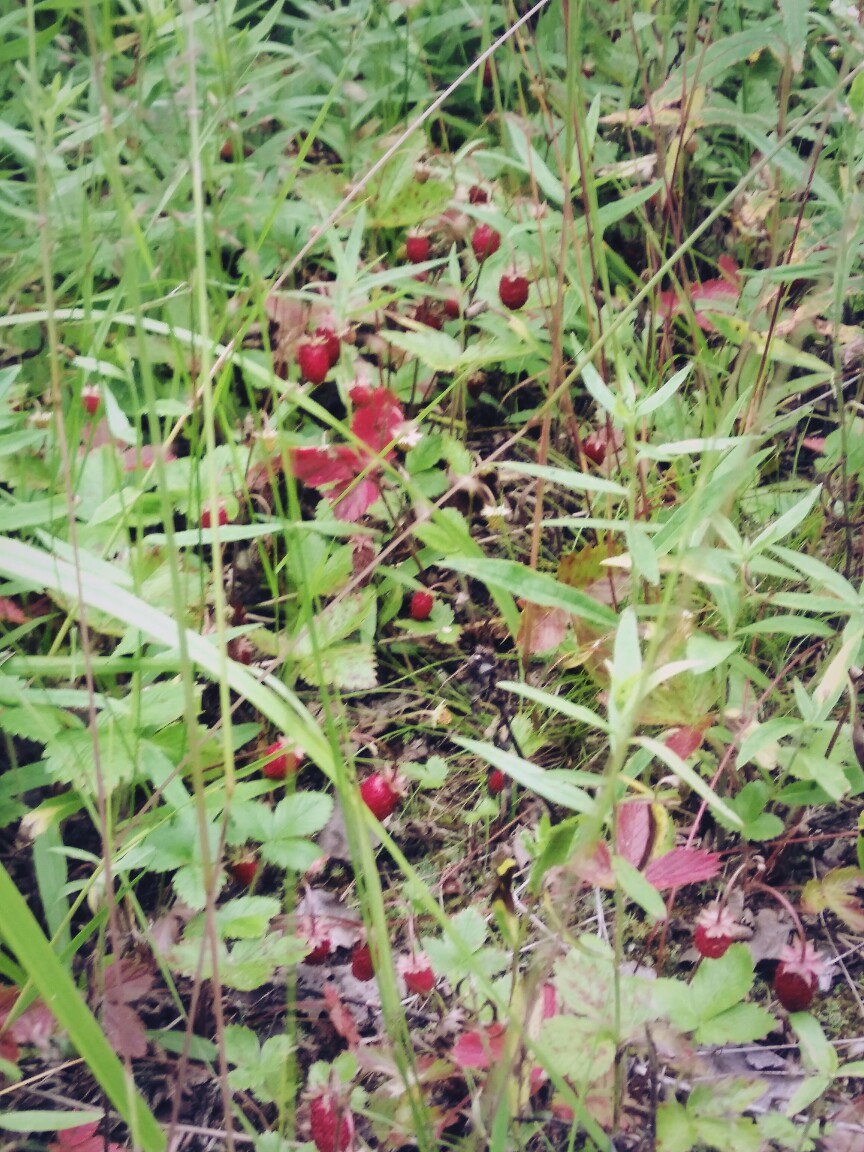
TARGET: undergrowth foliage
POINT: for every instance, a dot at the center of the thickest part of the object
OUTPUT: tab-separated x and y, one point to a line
430	575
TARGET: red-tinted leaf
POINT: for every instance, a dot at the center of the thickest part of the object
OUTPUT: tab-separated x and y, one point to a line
84	1138
721	291
682	866
596	869
335	464
10	612
685	741
34	1027
479	1049
378	417
341	1017
634	831
125	981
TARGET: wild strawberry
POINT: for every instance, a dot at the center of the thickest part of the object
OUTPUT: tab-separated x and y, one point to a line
594	447
331	341
716	929
477	195
361	962
417	973
313	356
797	976
207	519
91	398
379	795
421	605
331	1126
513	290
452	309
485	241
417	247
282	759
245	869
496	782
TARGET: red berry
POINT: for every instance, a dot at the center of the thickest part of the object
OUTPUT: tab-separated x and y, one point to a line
421	605
711	947
379	796
282	760
313	356
594	447
91	398
245	869
361	963
793	990
321	949
477	195
418	975
417	248
513	290
452	309
331	342
496	782
485	241
330	1125
206	519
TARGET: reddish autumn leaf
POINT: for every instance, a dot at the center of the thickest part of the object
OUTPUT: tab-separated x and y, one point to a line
634	831
83	1138
341	1017
10	612
682	866
378	417
479	1049
722	291
335	469
684	741
33	1028
125	982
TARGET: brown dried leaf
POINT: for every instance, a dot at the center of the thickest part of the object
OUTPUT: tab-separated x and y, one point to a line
541	629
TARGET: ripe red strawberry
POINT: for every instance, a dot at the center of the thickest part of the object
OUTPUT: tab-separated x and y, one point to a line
332	342
485	241
421	605
207	520
797	976
594	447
91	398
417	973
417	247
513	290
452	310
361	963
379	795
245	869
283	759
477	195
496	782
313	356
331	1126
716	929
